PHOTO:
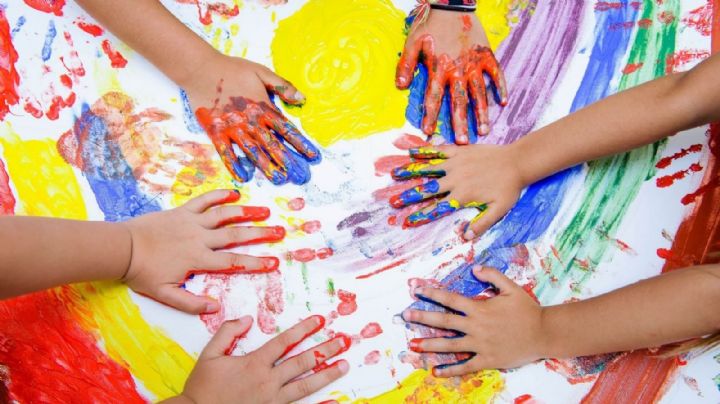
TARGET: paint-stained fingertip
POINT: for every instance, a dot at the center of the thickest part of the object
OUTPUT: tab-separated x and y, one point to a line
397	202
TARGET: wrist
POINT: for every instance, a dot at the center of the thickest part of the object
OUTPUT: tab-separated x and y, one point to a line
185	74
124	276
544	338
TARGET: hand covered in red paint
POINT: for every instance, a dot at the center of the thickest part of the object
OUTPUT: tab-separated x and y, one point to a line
169	246
504	331
231	102
454	48
260	377
484	177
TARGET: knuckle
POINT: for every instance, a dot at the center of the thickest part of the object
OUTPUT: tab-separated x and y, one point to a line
304	387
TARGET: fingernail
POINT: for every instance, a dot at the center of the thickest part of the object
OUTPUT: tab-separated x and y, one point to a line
406	315
212	307
318	320
235	191
414	345
420	291
437	372
484	129
278	232
469	234
270	263
343	366
299	97
401	81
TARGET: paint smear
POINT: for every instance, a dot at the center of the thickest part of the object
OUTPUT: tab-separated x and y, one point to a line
347	52
9	78
92	29
116	58
7	200
47	6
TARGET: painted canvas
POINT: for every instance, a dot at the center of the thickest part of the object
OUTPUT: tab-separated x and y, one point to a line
348	257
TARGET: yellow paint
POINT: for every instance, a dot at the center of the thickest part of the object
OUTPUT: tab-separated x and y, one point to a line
422	387
192	181
158	362
215	41
494	17
106	79
45	184
342	56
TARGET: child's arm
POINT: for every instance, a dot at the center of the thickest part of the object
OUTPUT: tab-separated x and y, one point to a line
229	95
495	175
511	329
153	253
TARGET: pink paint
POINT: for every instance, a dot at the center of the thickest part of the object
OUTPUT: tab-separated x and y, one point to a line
384	165
296	204
74	65
309	254
271	304
116	58
407	141
311	226
348	304
371	330
372	358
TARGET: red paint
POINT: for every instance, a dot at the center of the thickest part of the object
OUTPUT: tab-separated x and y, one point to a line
372	358
348	304
116	59
371	330
92	29
644	23
47	6
322	365
7	200
229	350
407	142
622	25
677	59
50	358
666	17
303	255
467	23
205	16
311	226
701	19
383	269
384	165
319	324
608	5
324	253
249	214
666	161
66	80
57	104
9	78
414	345
296	204
33	110
269	264
523	399
668	180
632	67
383	194
270	235
271	302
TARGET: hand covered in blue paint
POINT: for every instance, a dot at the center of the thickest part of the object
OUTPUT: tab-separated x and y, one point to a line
170	246
483	177
263	376
231	102
456	54
504	331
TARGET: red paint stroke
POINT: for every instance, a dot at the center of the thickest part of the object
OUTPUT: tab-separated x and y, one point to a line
57	104
666	161
323	364
50	358
644	23
116	59
700	19
638	377
579	370
312	226
296	204
348	303
668	180
66	80
7	200
33	109
383	269
636	5
384	165
467	23
622	25
205	16
372	358
75	66
608	5
271	304
632	67
309	254
47	6
677	59
92	29
408	141
9	78
524	399
371	330
666	17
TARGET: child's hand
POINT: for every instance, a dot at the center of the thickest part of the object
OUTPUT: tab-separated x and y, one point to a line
230	98
504	331
484	177
169	246
456	52
258	377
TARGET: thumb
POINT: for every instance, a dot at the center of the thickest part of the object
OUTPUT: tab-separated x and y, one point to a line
491	275
485	220
278	85
223	343
185	301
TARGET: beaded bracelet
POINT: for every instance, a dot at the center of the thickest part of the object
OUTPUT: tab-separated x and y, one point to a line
422	10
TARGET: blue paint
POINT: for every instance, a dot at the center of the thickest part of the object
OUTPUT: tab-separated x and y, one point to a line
416	194
191	122
110	177
18	25
49	38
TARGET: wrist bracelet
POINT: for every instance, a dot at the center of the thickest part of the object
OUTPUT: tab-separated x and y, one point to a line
420	13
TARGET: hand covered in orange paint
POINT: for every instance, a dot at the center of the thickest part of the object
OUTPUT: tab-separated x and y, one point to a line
231	102
454	48
501	332
168	247
260	376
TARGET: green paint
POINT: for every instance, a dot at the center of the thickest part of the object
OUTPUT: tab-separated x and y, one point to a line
304	272
331	287
611	184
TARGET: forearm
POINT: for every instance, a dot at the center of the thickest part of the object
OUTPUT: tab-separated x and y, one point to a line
38	253
672	307
150	29
632	118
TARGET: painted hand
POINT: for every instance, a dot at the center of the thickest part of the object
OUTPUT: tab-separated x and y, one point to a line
504	331
483	177
168	247
260	377
454	48
233	106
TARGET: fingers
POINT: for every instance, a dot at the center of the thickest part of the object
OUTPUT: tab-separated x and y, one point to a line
224	340
407	64
498	77
283	127
280	155
181	299
485	219
459	368
428	190
201	203
432	153
225	215
459	100
439	345
278	85
434	319
308	385
433	101
230	237
491	275
449	300
279	346
255	154
434	212
480	104
313	358
231	263
426	168
223	146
